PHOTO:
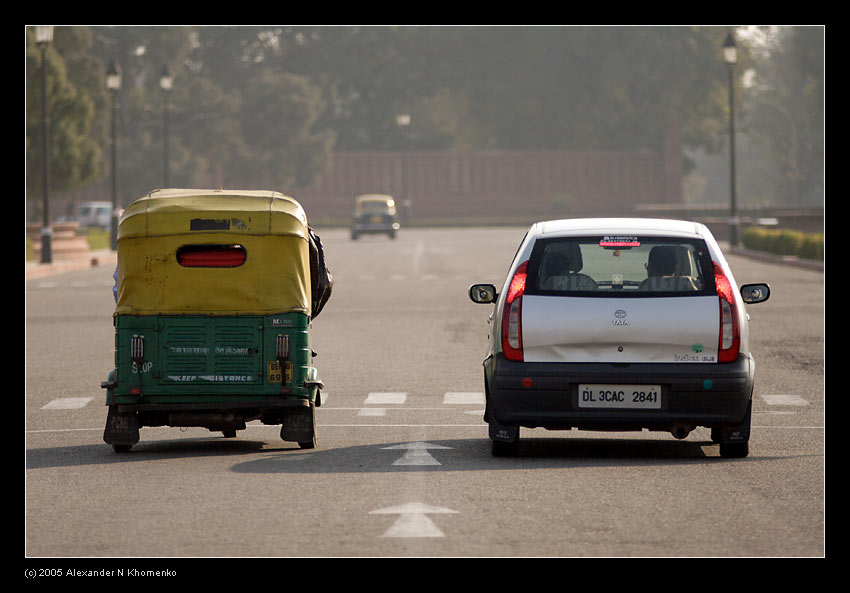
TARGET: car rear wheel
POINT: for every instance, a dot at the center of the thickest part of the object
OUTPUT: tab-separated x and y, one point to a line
734	450
505	449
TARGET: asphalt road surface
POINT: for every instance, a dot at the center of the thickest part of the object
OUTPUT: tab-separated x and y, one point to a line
403	465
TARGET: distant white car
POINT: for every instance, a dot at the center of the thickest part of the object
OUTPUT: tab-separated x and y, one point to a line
94	214
619	324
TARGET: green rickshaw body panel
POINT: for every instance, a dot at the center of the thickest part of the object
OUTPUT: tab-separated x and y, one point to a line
203	358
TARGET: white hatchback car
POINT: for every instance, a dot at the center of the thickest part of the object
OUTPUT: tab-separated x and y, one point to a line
619	324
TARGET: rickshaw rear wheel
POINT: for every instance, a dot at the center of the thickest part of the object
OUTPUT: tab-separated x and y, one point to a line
311	444
300	427
229	434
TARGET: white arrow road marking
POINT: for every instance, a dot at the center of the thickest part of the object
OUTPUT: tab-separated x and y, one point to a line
412	520
67	403
417	454
417	257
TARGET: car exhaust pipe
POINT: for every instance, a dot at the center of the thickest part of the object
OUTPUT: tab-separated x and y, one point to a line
681	430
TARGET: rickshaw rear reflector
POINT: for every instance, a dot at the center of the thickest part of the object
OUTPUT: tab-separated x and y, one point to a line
282	347
211	256
137	349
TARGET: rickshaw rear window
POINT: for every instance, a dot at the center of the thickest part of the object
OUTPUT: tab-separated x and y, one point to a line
211	256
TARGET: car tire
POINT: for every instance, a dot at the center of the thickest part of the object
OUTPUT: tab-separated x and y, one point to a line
734	450
740	448
505	449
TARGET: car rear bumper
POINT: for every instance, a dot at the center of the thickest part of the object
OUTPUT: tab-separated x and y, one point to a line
546	394
382	227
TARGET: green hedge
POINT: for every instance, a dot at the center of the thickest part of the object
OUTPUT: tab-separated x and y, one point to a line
784	242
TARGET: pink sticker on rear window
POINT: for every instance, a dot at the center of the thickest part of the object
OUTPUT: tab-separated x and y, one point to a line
619	241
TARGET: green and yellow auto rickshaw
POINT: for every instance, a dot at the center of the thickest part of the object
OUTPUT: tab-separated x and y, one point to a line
216	291
374	213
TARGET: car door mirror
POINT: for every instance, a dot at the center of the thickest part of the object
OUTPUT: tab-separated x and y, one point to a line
482	293
755	293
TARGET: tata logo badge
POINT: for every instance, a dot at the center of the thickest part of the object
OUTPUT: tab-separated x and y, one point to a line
620	318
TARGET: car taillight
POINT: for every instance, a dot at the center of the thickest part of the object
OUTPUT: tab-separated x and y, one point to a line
730	336
512	316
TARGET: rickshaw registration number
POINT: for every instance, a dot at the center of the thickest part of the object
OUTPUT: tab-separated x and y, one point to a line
275	374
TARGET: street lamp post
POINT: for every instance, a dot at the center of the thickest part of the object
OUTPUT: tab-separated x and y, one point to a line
113	85
43	37
730	56
403	121
166	80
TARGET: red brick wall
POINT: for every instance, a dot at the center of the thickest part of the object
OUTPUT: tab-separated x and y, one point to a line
498	183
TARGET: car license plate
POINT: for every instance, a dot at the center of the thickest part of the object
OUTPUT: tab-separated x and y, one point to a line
619	396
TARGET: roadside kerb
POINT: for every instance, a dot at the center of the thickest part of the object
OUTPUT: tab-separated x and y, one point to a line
104	257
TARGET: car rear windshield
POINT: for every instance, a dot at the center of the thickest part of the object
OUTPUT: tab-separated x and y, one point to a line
610	265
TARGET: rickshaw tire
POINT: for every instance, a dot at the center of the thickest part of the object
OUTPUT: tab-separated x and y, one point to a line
311	444
122	448
228	434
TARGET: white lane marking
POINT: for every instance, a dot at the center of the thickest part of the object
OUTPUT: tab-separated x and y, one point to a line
785	400
417	257
322	425
416	454
372	412
462	397
413	520
67	403
383	398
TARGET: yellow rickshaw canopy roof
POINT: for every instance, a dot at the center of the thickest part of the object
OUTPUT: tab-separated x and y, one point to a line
193	211
271	229
383	199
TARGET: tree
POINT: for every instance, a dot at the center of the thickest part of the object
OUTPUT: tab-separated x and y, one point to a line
75	148
784	112
277	118
237	119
